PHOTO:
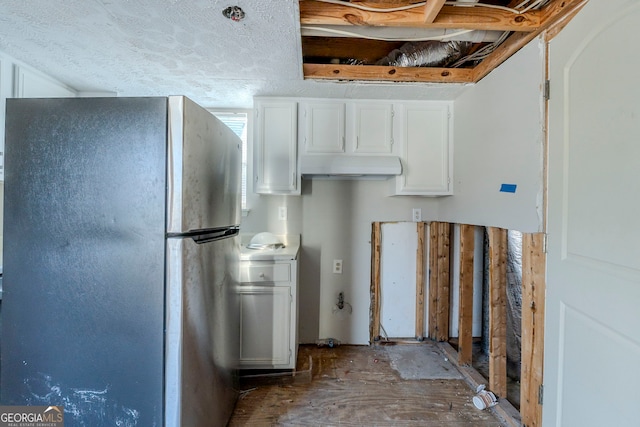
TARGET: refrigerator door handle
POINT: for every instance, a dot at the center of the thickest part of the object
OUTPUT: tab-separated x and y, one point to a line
211	237
205	236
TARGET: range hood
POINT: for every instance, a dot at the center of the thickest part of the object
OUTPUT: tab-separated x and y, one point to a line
353	166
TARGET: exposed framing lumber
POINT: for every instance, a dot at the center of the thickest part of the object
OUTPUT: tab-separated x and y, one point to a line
439	280
385	73
498	311
555	29
431	10
525	27
420	280
476	18
554	14
374	311
533	304
465	313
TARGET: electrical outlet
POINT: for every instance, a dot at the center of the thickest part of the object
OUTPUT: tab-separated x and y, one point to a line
282	213
337	266
417	214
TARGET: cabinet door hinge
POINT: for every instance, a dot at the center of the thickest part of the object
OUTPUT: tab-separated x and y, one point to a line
540	394
547	90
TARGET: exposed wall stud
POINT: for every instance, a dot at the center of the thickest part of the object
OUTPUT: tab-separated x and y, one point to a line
498	311
465	314
533	290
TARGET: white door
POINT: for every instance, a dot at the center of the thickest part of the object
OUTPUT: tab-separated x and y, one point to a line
592	327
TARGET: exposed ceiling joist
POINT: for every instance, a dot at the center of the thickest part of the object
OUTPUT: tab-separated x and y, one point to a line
359	59
473	18
431	10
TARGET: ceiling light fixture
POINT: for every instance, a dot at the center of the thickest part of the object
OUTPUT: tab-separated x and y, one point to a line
235	13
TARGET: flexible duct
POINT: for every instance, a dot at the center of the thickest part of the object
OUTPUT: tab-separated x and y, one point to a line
426	54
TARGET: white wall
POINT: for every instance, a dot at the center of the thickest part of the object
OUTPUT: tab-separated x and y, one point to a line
497	139
334	219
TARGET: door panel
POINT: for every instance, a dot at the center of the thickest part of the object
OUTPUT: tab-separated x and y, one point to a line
202	338
203	169
592	329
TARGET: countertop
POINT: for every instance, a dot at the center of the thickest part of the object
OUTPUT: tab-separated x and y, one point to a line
287	253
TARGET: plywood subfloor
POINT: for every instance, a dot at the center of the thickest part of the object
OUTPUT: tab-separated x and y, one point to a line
357	386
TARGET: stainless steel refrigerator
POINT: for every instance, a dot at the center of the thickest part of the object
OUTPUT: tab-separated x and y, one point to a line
121	261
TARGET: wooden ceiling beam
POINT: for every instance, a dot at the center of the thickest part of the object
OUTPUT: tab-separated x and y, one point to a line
473	18
388	74
555	13
432	9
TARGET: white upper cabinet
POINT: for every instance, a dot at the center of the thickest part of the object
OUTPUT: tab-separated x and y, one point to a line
323	127
426	149
372	130
346	127
31	84
275	147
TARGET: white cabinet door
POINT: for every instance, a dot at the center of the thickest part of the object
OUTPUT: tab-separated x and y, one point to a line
30	84
371	127
275	139
337	127
324	126
425	150
265	326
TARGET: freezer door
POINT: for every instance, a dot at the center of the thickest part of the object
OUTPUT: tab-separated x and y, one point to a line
203	170
203	331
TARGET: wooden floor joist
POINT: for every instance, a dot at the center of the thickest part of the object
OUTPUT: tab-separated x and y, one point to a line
498	311
465	315
533	291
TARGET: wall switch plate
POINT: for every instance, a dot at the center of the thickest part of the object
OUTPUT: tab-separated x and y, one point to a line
417	214
282	213
337	266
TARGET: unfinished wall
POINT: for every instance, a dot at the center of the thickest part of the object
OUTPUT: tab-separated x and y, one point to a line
498	139
334	218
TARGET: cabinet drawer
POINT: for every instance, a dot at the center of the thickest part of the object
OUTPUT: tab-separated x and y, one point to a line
265	273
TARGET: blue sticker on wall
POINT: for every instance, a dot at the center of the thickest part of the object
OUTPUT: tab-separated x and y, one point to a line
508	188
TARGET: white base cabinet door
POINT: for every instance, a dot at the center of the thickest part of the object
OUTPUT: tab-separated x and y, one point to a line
265	320
268	314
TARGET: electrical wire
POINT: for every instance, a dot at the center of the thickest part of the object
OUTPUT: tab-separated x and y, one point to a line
516	11
387	39
374	9
483	52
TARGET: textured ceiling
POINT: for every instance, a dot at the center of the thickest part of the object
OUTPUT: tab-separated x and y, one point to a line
178	47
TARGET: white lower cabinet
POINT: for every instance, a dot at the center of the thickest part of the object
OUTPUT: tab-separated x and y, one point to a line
268	315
